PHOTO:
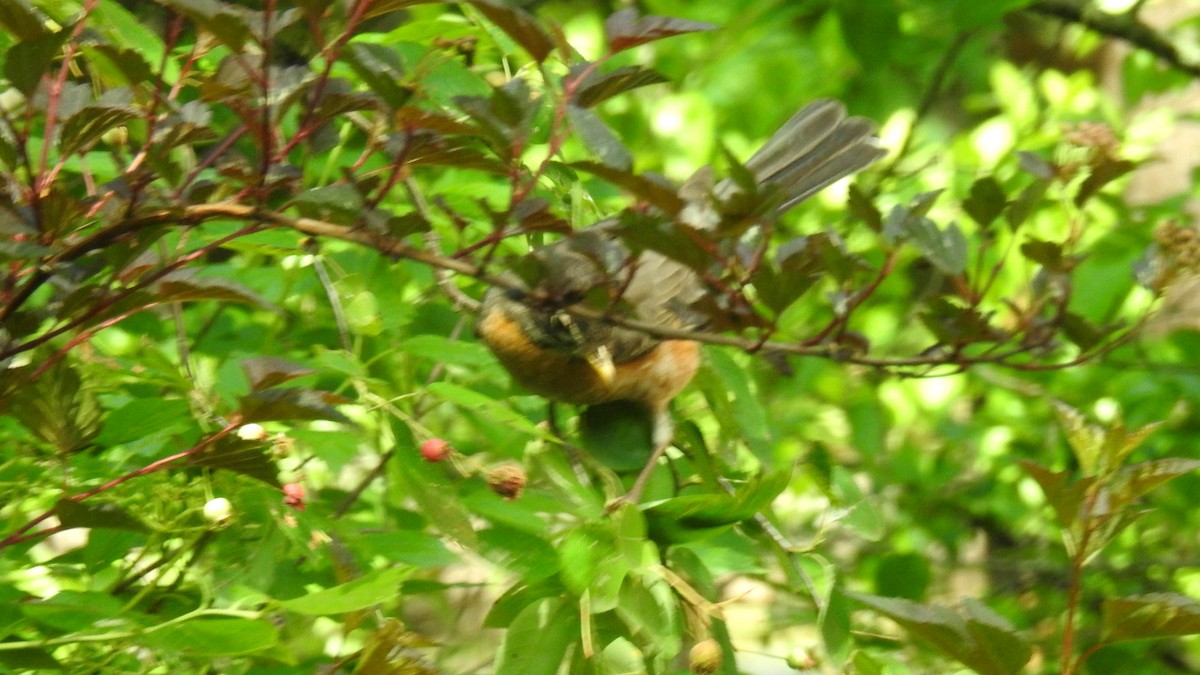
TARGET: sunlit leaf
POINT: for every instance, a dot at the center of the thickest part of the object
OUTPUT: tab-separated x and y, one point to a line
371	589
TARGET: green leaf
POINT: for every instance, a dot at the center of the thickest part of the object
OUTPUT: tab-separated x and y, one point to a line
83	129
1086	440
492	409
366	591
1151	616
537	640
426	484
1133	482
29	59
58	409
625	29
977	637
617	434
21	20
902	575
1064	495
213	637
381	69
72	611
96	514
144	417
599	88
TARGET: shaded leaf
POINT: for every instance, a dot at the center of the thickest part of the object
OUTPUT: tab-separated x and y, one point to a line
618	434
518	25
1046	253
1151	616
78	610
1102	174
187	286
978	638
293	403
21	20
860	204
84	128
985	202
366	591
29	59
661	196
249	458
265	372
625	29
599	138
102	515
381	69
599	88
58	409
956	325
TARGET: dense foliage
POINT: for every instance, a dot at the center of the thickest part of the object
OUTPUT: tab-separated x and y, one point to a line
944	413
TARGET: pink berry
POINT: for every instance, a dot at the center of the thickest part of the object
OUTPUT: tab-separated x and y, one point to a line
435	449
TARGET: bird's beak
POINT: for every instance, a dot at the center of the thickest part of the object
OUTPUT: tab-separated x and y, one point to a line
601	362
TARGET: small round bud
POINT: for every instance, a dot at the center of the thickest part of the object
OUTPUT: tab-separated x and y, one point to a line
218	511
252	432
293	495
507	480
705	657
435	450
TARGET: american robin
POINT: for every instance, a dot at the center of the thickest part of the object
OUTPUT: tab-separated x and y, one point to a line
563	357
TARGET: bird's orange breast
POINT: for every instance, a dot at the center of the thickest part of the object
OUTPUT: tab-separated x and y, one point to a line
652	379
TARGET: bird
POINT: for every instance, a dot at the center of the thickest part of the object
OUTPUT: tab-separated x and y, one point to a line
587	361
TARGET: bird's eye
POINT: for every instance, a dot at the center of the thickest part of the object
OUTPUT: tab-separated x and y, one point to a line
571	297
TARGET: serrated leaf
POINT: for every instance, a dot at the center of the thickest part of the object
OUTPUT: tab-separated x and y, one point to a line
863	208
264	372
625	29
381	69
1086	440
1151	616
1131	483
1064	495
366	591
518	25
657	194
249	458
599	88
1025	204
96	514
599	138
293	403
59	409
977	638
956	325
83	129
